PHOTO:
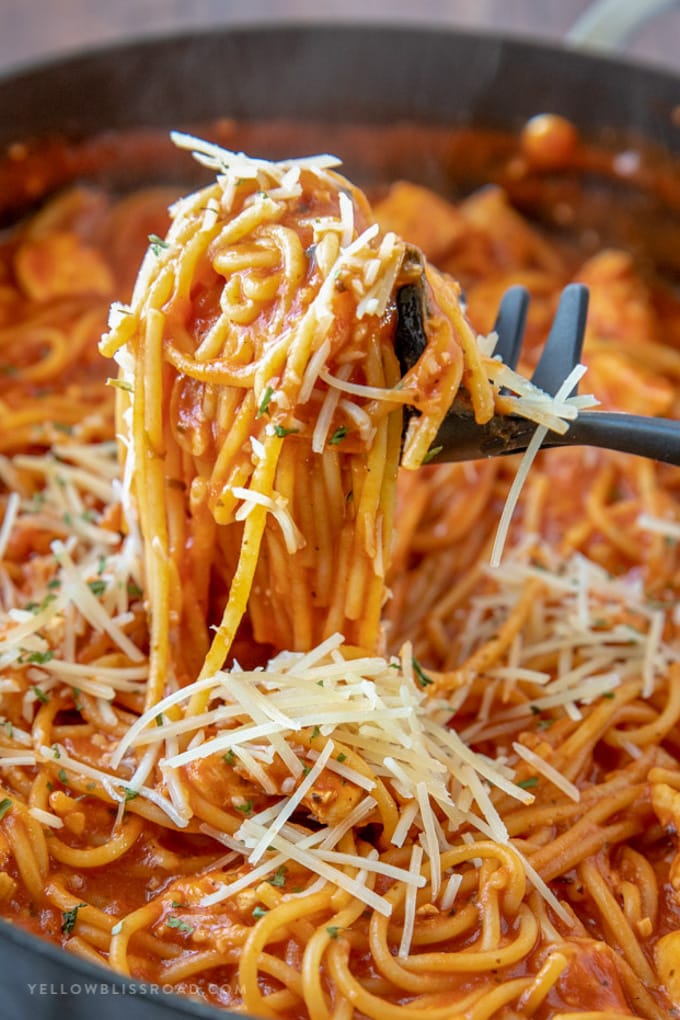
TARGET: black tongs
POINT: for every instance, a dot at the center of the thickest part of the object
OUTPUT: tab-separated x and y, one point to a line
461	438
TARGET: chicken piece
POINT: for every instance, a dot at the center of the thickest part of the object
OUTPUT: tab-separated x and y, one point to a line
515	243
219	780
331	798
422	218
60	265
484	296
592	977
667	956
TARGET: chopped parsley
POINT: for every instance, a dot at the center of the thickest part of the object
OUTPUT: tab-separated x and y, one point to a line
130	794
528	784
281	431
230	757
159	719
40	658
260	912
264	403
54	583
423	679
157	244
338	435
133	590
70	917
316	732
5	806
179	924
432	453
37	607
61	776
97	587
341	757
40	694
279	877
333	930
246	808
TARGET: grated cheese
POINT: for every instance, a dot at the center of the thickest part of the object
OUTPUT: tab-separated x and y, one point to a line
659	526
450	891
46	818
11	511
528	458
410	902
547	770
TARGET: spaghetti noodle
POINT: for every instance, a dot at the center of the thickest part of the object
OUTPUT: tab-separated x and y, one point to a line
272	726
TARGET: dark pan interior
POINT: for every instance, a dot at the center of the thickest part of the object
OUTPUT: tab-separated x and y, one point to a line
371	74
330	75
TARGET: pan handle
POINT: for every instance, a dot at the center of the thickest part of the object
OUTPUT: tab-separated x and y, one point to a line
607	25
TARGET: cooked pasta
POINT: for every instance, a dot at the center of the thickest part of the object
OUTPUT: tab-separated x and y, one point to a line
274	732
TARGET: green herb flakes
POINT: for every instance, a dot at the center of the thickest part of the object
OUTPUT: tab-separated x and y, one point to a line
338	436
278	879
69	918
432	453
423	679
157	244
179	924
40	658
264	403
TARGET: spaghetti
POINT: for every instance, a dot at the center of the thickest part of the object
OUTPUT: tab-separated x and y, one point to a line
272	726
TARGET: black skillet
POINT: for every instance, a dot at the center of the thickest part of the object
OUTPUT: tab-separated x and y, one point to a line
325	76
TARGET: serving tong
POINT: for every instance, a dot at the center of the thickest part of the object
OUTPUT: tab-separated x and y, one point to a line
462	438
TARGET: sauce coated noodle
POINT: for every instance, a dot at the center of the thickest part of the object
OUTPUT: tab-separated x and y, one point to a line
555	676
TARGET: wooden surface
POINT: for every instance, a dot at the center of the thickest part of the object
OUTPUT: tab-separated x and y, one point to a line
32	30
